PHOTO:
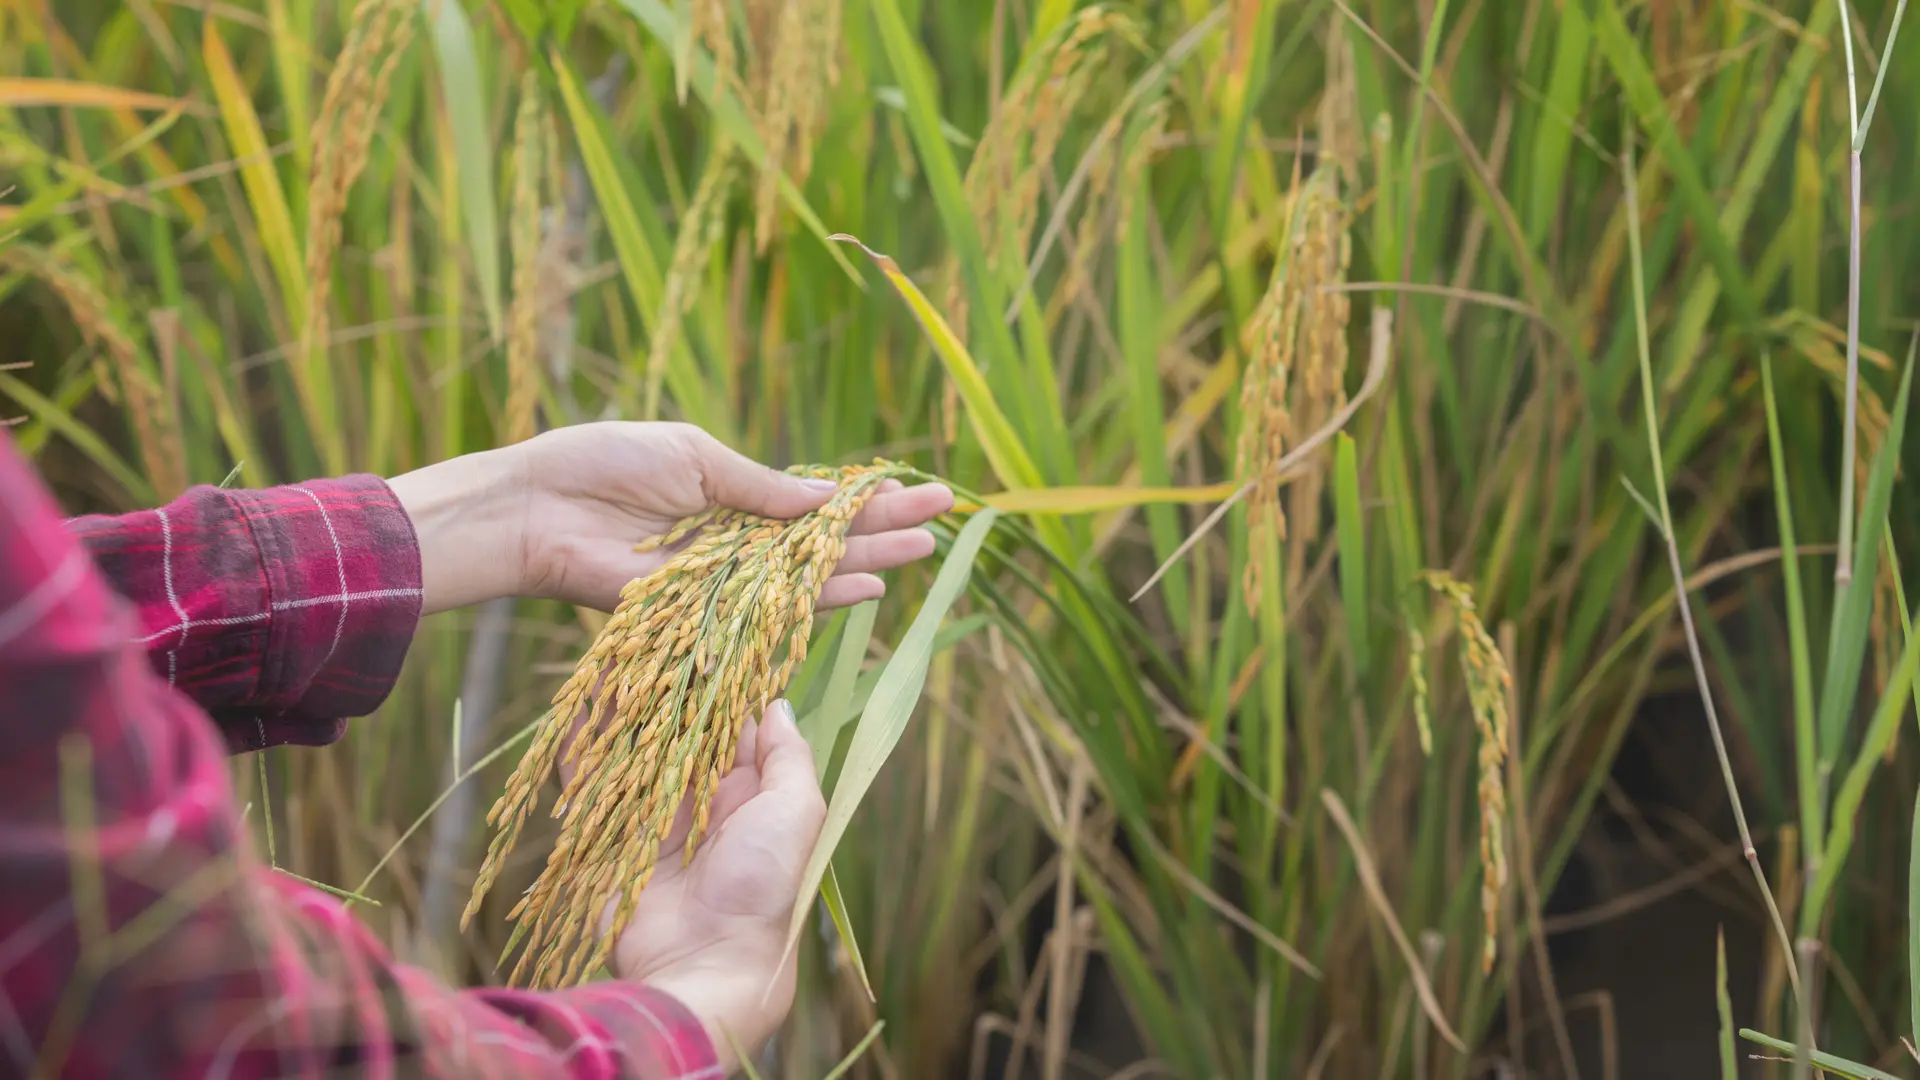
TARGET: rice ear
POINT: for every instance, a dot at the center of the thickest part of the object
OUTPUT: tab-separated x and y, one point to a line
692	653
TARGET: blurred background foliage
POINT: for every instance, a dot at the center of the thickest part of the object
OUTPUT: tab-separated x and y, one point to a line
1197	834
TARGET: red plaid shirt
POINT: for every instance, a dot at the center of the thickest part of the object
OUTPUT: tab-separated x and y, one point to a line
138	934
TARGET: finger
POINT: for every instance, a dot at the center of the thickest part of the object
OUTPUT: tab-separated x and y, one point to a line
847	590
908	508
740	783
746	750
787	776
885	551
740	483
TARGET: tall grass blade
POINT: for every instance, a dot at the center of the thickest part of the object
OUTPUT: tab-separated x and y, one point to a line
264	193
1350	529
843	926
1723	1004
1005	452
1838	1066
853	1056
62	422
1806	747
1913	924
460	88
17	93
1847	643
891	707
822	726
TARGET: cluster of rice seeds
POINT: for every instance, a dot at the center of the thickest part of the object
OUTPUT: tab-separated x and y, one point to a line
1297	373
700	233
707	27
1489	683
119	372
1422	697
523	329
802	69
1017	148
693	651
1130	164
378	34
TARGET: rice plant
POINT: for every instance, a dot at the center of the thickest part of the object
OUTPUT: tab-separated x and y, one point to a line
1266	691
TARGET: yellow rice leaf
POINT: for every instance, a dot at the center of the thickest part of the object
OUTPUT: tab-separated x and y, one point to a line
1004	450
67	93
1096	499
264	194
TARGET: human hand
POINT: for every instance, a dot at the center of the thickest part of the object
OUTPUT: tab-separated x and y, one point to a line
558	516
713	932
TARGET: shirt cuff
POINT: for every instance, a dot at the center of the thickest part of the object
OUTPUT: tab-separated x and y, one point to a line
342	567
651	1034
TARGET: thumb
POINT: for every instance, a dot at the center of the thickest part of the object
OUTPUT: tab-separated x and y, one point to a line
787	774
740	483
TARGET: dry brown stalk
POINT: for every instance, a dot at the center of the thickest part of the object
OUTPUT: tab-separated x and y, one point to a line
1489	686
695	650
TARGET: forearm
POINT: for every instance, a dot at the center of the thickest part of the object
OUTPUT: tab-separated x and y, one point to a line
282	612
467	515
140	929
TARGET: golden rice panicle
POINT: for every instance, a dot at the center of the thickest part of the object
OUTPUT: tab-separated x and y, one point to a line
693	652
1489	684
707	26
1322	256
378	34
793	105
523	335
123	378
700	233
1417	673
1265	420
1016	150
1296	374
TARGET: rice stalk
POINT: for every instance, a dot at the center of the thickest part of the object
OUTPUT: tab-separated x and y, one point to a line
1301	323
693	652
378	34
1417	675
1016	151
1489	682
119	372
523	333
707	26
700	232
802	69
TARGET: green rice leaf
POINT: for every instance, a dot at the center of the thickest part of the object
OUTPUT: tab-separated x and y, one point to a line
1853	615
822	726
1839	1066
843	925
466	110
885	718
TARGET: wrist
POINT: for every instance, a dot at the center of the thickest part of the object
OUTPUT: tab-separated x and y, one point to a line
463	514
732	1001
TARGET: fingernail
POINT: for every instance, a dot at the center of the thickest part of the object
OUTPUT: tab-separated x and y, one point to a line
820	487
782	713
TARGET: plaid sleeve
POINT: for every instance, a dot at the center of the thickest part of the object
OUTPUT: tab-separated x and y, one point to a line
281	612
139	936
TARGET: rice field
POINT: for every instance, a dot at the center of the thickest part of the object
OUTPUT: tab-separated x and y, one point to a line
1370	418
